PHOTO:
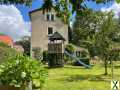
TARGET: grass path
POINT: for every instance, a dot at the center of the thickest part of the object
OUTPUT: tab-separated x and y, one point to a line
79	78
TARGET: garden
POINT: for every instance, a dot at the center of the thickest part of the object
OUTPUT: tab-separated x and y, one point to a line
79	78
90	61
20	72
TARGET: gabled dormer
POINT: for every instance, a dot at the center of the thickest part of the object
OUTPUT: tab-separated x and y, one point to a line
50	16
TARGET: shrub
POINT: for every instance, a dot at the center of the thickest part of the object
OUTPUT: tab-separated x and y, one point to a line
20	70
3	44
69	48
45	56
6	52
37	53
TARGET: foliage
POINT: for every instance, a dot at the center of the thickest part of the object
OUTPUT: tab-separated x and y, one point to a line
86	26
2	44
20	70
69	48
99	37
64	8
37	53
25	2
25	43
6	52
84	54
45	56
104	39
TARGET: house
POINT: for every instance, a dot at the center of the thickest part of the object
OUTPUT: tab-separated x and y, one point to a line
6	39
44	26
19	48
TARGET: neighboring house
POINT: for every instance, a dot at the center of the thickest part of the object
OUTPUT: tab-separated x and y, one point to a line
81	52
19	48
6	39
44	26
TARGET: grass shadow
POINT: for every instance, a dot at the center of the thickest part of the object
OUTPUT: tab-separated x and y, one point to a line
89	77
76	67
68	67
116	67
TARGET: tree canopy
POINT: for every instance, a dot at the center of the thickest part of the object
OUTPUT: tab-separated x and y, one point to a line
61	6
25	2
99	33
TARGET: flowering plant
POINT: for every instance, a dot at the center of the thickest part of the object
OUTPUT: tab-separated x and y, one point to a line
20	70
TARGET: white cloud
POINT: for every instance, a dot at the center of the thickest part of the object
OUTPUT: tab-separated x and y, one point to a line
12	23
115	7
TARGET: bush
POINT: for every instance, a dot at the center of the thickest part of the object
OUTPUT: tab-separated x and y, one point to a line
69	48
6	52
45	56
37	53
20	70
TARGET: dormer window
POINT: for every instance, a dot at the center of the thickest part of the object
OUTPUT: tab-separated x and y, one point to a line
50	17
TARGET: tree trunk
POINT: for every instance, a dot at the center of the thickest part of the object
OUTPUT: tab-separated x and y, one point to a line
105	63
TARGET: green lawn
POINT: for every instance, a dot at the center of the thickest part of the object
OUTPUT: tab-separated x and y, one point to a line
79	78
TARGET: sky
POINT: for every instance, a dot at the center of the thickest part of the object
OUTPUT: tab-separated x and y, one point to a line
15	21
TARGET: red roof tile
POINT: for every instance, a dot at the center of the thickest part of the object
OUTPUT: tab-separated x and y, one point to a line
6	39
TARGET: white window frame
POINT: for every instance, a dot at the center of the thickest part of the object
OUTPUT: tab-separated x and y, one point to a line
50	16
48	31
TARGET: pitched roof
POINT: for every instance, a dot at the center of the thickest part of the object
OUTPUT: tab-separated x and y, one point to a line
35	10
39	9
56	36
81	49
6	39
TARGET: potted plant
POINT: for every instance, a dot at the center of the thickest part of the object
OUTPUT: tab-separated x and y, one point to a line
19	72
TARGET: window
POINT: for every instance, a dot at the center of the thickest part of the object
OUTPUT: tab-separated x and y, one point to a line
52	17
50	30
48	17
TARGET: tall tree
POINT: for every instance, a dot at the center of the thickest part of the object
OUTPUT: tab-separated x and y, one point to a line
61	6
104	39
96	32
86	25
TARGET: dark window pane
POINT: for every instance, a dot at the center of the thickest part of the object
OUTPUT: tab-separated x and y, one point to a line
48	17
52	17
50	30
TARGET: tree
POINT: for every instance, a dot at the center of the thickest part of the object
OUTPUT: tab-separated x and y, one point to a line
25	2
97	32
25	43
61	6
104	39
86	25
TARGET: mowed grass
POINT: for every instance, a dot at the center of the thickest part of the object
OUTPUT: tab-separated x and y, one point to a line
80	78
